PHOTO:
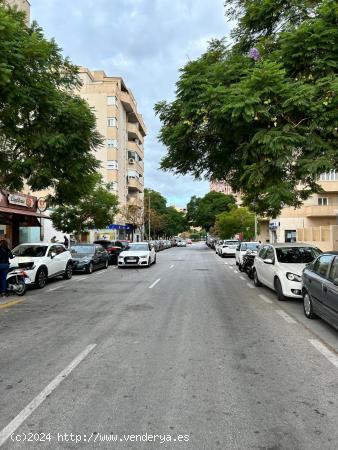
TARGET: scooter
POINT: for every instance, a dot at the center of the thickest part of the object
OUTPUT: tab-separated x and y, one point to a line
17	281
248	262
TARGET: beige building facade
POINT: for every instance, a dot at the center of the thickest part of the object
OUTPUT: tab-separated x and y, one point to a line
224	188
22	5
315	221
122	155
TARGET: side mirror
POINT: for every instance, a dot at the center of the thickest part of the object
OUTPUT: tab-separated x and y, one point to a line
52	255
269	261
335	281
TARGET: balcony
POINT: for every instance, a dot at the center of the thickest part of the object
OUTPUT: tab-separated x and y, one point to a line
135	200
134	147
136	165
134	132
130	106
134	184
321	211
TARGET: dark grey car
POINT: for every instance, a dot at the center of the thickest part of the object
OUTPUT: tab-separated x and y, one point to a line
320	288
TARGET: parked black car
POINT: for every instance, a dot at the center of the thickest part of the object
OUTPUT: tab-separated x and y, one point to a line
113	248
89	257
320	288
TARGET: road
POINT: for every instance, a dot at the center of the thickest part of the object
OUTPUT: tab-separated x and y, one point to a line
187	349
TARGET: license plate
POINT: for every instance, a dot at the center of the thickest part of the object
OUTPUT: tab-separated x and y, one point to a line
131	260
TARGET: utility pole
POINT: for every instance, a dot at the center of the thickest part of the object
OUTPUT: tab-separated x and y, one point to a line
149	216
255	227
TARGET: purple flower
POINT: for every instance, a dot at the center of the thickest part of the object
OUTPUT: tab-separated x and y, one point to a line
254	54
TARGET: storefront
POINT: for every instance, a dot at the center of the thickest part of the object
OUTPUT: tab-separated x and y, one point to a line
19	217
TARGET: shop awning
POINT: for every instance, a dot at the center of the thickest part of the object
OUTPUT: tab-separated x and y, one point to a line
22	212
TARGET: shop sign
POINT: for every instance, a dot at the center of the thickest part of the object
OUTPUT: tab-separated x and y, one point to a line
119	227
42	204
21	200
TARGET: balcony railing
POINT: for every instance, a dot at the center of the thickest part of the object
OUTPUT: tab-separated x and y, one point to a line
134	184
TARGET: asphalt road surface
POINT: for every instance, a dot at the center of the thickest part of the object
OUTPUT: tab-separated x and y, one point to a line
184	355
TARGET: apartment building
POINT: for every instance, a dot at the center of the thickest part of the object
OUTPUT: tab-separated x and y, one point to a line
23	5
122	155
224	188
315	221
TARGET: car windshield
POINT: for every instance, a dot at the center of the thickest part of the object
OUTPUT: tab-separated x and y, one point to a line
297	255
33	251
252	246
230	242
104	244
138	247
82	250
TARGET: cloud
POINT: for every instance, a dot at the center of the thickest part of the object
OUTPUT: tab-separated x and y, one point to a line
145	42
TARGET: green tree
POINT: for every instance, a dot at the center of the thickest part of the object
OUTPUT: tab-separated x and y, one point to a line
47	134
212	204
192	208
94	210
238	220
175	222
265	121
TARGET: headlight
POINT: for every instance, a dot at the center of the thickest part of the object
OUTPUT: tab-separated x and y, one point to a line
293	277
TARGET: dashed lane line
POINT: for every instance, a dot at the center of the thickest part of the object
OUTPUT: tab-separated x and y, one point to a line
172	266
250	285
265	298
155	283
331	356
40	398
242	278
285	316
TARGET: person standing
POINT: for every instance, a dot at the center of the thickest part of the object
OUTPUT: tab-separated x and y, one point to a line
5	256
66	241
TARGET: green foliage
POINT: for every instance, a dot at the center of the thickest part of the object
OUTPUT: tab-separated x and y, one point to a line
94	210
267	127
192	208
208	207
164	221
47	134
238	220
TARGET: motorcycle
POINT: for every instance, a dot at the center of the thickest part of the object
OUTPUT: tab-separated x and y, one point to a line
17	281
248	262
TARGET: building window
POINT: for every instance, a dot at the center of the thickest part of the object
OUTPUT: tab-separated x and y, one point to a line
112	143
112	165
111	100
113	186
323	201
111	122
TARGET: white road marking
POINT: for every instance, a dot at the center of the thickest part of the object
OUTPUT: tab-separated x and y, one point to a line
226	264
285	316
81	278
265	298
40	398
155	283
331	356
53	289
172	266
250	285
242	278
236	271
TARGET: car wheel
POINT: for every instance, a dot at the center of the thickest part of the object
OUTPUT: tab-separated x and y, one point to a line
90	268
257	283
41	278
308	306
154	260
240	267
278	288
149	262
68	272
237	263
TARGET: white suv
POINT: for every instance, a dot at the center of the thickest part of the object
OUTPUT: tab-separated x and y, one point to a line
228	248
280	266
43	261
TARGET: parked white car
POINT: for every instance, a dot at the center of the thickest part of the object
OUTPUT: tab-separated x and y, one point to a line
181	244
227	248
218	246
243	248
137	254
280	267
43	261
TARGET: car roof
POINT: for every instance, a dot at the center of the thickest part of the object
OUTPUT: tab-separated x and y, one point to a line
290	244
330	253
142	242
41	243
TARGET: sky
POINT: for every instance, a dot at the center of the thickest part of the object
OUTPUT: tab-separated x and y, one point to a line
145	42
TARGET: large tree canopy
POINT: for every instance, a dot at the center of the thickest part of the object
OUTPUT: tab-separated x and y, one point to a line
236	221
47	134
206	209
265	120
97	209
